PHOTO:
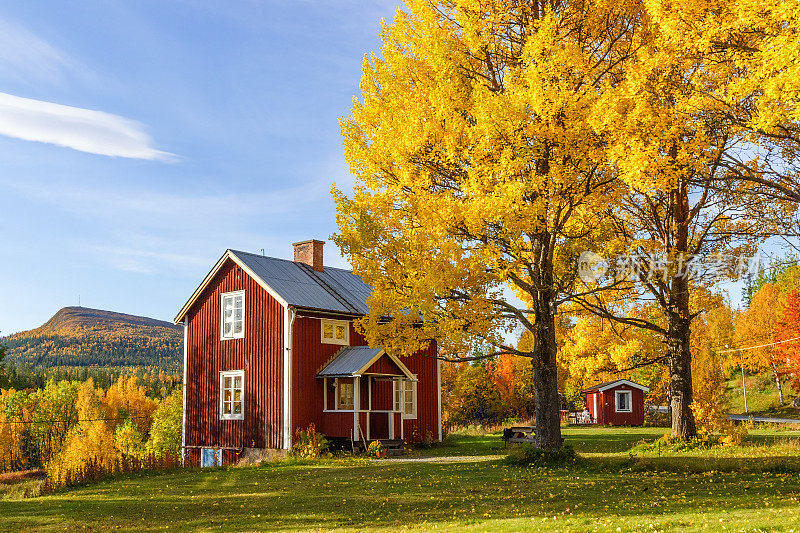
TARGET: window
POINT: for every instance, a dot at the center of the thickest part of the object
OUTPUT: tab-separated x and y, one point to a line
233	315
210	457
623	401
344	395
231	395
335	332
405	397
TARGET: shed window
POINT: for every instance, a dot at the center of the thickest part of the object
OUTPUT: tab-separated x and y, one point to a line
344	395
231	395
405	398
335	332
233	315
622	402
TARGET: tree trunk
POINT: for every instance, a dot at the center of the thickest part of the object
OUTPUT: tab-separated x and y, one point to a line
545	374
679	353
778	384
680	374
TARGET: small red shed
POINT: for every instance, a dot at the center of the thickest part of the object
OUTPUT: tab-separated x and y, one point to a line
616	403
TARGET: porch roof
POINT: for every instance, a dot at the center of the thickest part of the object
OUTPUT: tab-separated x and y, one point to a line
355	360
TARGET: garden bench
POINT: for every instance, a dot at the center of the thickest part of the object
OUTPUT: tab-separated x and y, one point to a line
519	434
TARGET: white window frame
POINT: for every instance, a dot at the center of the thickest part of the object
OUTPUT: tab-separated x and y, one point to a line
344	324
399	396
233	374
337	390
233	334
617	395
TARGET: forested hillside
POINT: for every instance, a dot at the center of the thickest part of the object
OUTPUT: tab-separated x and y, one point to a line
83	337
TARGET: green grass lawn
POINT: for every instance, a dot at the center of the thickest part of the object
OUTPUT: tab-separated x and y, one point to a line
751	488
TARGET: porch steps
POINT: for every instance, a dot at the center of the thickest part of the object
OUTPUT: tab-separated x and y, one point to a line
393	447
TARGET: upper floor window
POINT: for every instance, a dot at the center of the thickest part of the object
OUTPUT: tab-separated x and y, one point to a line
231	395
233	315
335	332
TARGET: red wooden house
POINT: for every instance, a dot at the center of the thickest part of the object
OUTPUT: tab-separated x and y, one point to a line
616	403
270	348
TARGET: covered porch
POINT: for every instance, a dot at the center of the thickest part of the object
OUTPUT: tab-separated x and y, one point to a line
367	392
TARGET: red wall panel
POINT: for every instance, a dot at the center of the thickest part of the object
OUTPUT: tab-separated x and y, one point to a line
259	354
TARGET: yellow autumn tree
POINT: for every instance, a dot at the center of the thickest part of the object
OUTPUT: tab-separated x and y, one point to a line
711	334
128	399
688	216
90	440
478	173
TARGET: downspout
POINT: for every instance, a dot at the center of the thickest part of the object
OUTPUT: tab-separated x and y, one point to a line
289	315
183	414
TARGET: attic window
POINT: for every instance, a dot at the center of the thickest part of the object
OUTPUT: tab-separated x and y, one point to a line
622	401
335	332
233	315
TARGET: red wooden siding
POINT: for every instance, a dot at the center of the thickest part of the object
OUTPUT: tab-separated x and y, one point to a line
259	354
426	425
384	365
309	356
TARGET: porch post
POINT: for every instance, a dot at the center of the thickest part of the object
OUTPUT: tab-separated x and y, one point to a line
356	404
369	404
324	394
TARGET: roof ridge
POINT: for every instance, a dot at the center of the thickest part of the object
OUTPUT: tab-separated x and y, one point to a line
289	260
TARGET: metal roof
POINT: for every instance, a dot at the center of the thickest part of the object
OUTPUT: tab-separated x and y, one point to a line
349	361
333	289
611	384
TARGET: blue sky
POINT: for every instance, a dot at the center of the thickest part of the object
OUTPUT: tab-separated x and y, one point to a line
139	140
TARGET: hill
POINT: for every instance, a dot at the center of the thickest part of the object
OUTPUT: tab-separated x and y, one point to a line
84	337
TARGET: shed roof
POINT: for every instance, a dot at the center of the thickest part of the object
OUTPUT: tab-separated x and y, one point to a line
296	284
354	360
600	387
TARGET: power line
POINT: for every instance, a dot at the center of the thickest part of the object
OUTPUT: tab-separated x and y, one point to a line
70	421
759	346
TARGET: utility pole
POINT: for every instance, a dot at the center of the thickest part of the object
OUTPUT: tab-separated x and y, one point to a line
744	388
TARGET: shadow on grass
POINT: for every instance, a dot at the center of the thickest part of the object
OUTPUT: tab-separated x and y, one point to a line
391	496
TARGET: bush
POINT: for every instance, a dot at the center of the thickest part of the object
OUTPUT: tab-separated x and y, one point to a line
309	444
525	454
668	444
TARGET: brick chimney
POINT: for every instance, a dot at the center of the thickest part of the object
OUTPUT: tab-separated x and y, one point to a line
310	253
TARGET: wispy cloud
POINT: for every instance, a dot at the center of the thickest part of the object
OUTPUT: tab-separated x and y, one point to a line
81	129
26	58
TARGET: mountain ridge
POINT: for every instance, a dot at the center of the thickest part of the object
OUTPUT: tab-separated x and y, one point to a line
83	337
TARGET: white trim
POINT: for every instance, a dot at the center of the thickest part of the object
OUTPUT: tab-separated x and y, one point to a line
334	324
289	315
234	335
183	414
210	276
623	382
594	397
232	374
403	368
439	393
356	405
619	393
